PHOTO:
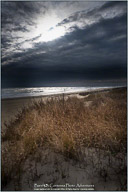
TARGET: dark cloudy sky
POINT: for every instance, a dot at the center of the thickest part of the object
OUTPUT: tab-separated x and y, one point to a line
63	41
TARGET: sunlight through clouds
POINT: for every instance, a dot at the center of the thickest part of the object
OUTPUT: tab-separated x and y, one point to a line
52	34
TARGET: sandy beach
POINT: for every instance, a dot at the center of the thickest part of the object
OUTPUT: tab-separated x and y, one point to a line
11	107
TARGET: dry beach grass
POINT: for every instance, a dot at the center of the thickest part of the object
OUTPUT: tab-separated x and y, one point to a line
97	122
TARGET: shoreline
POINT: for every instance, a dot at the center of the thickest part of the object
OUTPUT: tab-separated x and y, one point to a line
68	93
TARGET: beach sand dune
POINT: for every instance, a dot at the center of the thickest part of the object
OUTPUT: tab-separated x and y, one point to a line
75	139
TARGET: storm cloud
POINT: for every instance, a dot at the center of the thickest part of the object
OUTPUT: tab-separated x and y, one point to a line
44	41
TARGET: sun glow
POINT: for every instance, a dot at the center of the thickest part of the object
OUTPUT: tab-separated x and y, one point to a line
52	34
47	29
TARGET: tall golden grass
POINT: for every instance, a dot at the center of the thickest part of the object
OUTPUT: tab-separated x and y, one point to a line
66	127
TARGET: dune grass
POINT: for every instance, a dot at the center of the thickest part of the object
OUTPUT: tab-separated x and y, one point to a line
66	127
